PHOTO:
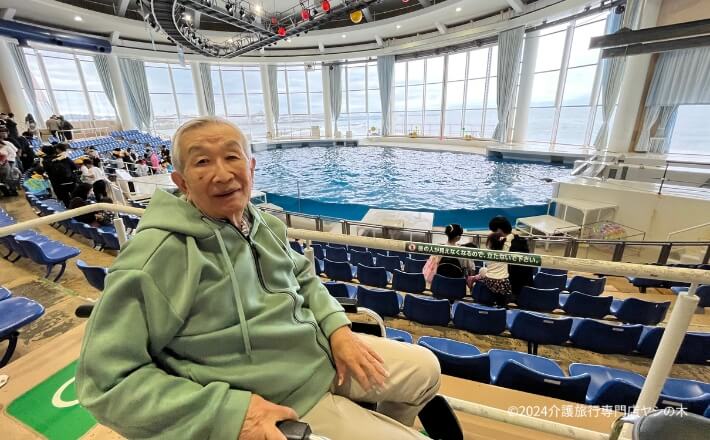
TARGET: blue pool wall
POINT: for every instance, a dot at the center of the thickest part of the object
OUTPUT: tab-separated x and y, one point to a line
467	218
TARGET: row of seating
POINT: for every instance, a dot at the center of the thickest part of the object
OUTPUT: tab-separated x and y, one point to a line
36	247
586	383
15	313
644	283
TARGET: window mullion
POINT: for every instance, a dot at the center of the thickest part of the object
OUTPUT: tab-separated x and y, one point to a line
84	89
562	81
172	84
47	84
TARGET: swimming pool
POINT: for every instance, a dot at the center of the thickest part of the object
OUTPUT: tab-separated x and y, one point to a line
345	182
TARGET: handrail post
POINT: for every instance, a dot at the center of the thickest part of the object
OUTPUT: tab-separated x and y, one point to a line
618	251
288	219
663	179
120	231
344	227
665	253
429	237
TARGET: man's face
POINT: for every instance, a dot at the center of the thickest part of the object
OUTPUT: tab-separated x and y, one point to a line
217	175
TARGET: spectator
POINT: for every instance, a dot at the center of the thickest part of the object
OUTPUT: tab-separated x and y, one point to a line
11	126
142	169
7	147
79	198
9	177
495	275
130	156
100	188
62	173
154	161
32	125
94	156
25	151
90	173
53	126
117	156
66	127
519	275
448	266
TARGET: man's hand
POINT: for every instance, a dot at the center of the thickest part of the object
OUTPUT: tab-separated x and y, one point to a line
261	418
353	356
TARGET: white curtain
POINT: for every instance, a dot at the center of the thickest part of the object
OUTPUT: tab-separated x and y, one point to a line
136	85
101	63
336	90
272	73
206	78
385	72
612	72
510	52
26	79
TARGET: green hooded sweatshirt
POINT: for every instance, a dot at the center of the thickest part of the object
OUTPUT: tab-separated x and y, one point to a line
195	317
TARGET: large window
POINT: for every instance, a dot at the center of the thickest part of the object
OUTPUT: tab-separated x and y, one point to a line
419	88
361	106
172	95
67	84
691	131
300	89
239	97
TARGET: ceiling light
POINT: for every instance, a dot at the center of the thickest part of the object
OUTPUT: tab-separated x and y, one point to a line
78	18
187	17
458	9
257	9
343	35
399	26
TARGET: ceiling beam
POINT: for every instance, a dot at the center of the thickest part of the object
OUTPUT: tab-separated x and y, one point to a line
626	37
517	5
123	7
379	40
657	47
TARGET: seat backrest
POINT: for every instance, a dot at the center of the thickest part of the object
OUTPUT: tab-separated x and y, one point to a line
590	286
296	246
636	311
538	363
703	292
401	255
450	267
609	386
695	348
33	250
676	424
482	294
338	271
542	300
605	338
408	282
587	306
336	290
318	251
372	276
479	319
519	377
361	257
383	302
448	288
540	329
427	311
458	358
553	271
389	263
544	280
336	253
413	266
95	275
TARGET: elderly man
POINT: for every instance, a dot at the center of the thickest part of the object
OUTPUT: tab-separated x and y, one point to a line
210	326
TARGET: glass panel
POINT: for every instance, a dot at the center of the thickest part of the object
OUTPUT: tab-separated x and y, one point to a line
91	77
315	81
416	72
540	124
432	123
579	85
433	96
374	104
415	95
72	104
472	122
256	103
398	123
549	52
232	81
598	120
400	70
216	82
491	122
399	98
414	121
219	105
373	80
357	101
478	63
492	93
494	61
35	72
544	89
435	69
281	80
45	107
183	80
101	105
236	105
163	105
62	74
691	131
581	54
476	91
453	122
187	102
572	127
47	54
283	104
299	103
253	80
454	95
316	103
158	80
356	78
296	81
457	67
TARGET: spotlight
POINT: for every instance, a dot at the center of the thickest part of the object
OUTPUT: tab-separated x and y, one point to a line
242	13
305	14
325	5
282	31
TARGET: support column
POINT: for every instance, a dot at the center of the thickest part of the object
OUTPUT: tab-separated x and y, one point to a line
119	92
527	76
327	112
13	87
268	113
199	90
633	83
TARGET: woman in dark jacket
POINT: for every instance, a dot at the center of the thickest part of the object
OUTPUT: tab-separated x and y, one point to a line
62	173
519	275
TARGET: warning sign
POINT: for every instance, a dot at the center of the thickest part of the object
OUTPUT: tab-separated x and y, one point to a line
475	254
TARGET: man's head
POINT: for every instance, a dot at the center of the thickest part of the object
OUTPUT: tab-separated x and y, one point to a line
3	132
88	163
10	115
213	166
500	224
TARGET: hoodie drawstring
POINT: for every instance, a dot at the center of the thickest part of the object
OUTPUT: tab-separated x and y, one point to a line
236	291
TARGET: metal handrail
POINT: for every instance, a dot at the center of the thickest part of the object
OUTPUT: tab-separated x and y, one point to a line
660	367
691	228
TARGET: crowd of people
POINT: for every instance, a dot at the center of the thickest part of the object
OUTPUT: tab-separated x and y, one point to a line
151	162
16	154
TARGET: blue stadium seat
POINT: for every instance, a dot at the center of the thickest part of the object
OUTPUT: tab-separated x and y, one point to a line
695	348
340	290
398	335
318	251
482	294
479	319
95	275
458	358
420	257
692	395
338	271
389	263
373	276
109	239
408	282
15	313
703	292
636	311
338	254
401	255
538	329
296	246
544	280
604	338
357	257
609	386
552	271
413	266
49	254
448	288
537	375
588	286
643	283
381	301
428	311
356	248
586	306
4	293
540	300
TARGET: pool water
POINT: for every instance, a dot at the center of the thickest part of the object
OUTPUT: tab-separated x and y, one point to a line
397	178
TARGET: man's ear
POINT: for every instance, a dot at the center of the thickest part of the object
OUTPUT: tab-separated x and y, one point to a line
179	180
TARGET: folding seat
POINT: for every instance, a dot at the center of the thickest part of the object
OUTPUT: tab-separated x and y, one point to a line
110	239
609	386
381	301
420	257
588	286
586	306
605	338
408	282
398	335
373	276
414	266
552	271
4	293
95	275
401	255
692	395
537	375
695	348
544	280
458	358
428	311
538	329
338	271
703	292
540	300
340	290
361	257
479	319
296	246
15	313
318	251
482	294
636	311
389	263
49	254
339	254
643	283
451	289
356	248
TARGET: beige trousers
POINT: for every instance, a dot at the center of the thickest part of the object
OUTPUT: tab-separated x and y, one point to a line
414	379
